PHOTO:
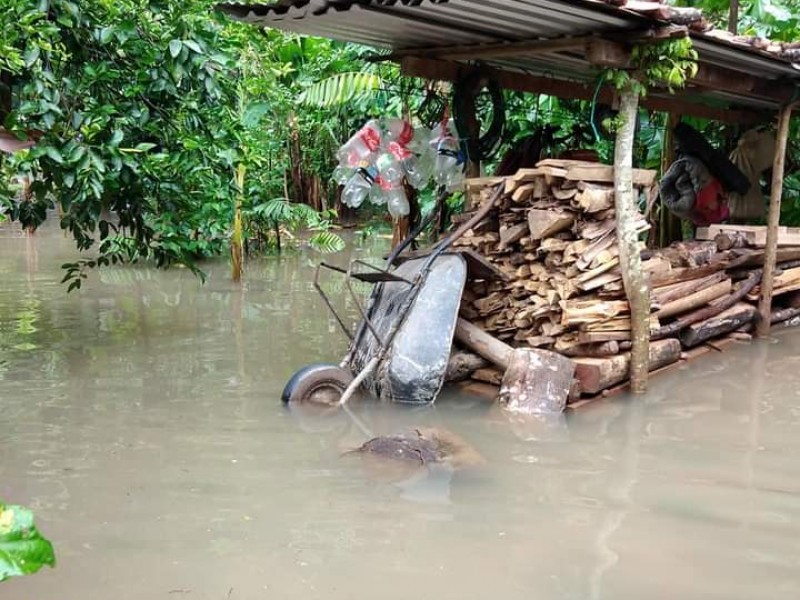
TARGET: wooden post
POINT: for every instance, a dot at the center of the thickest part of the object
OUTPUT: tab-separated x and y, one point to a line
630	259
669	229
733	17
773	220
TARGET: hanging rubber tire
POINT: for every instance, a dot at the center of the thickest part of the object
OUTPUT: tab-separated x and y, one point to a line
321	384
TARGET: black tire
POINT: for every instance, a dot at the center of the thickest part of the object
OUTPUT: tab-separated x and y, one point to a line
321	384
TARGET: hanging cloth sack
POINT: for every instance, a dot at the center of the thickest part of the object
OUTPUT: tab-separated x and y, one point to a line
753	155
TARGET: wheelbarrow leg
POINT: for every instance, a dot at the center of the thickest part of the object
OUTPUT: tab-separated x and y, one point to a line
365	372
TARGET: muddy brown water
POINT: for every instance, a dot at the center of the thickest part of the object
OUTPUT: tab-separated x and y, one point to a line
140	419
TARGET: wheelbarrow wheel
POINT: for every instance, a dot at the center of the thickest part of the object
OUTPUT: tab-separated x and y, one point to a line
321	384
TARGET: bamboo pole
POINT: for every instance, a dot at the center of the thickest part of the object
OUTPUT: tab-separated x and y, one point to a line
629	255
773	220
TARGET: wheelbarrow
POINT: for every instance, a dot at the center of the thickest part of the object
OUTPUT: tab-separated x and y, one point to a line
401	346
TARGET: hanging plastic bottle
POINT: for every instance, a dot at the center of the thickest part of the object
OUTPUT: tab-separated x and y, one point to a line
358	187
359	147
397	202
377	195
446	165
389	168
398	131
342	174
409	165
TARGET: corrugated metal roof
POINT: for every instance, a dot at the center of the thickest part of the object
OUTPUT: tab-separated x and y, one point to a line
426	25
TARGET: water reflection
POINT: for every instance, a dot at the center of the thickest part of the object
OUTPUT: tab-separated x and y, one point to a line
143	426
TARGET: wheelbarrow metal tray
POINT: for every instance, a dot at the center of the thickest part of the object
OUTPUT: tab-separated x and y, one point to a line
413	370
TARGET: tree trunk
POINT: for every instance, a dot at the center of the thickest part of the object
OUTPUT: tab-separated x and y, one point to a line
733	17
237	251
773	220
629	256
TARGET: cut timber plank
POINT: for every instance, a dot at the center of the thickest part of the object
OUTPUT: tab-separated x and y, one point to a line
756	235
695	300
605	173
597	374
725	322
591	337
546	223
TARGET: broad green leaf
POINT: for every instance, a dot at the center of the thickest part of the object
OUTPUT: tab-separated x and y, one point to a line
31	56
254	112
175	48
192	45
23	550
54	154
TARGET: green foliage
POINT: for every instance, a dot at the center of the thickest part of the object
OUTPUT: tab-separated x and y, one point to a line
146	109
669	63
340	89
23	550
775	19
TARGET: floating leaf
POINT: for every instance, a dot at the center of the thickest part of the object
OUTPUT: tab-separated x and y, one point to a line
326	242
23	550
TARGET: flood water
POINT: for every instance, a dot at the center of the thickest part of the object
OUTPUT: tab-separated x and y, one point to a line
140	419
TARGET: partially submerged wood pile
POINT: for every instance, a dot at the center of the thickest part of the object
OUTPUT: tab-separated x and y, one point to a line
553	237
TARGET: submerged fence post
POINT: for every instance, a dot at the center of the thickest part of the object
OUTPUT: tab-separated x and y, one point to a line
773	220
630	259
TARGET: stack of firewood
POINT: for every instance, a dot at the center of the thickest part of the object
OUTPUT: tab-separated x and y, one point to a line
553	241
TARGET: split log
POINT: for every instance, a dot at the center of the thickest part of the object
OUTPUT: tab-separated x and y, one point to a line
597	374
463	364
725	322
592	200
665	294
590	311
490	375
609	348
512	234
784	314
695	300
742	289
485	345
546	223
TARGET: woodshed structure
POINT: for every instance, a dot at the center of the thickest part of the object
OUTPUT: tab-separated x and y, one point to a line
552	238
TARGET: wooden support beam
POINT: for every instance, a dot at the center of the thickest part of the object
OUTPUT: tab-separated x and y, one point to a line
773	220
428	68
734	82
505	49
